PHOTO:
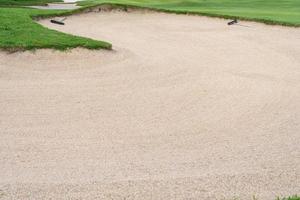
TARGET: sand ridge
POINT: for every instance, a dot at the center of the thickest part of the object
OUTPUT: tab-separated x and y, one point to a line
184	107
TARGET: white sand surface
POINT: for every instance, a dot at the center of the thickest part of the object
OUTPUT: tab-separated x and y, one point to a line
184	107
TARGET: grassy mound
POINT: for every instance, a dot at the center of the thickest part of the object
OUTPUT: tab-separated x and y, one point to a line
19	32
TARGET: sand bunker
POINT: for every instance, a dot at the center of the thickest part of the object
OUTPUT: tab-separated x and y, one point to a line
185	107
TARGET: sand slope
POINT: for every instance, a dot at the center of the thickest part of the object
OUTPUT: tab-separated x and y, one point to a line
185	107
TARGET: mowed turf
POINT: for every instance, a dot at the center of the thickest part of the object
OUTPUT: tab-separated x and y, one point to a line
295	197
19	31
284	12
25	2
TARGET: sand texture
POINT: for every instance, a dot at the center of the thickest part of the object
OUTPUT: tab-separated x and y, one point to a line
184	107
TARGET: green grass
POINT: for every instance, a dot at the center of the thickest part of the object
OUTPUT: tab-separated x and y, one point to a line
295	197
25	2
283	12
19	31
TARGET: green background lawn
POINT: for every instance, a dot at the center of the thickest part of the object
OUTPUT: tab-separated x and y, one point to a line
19	31
25	2
285	12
